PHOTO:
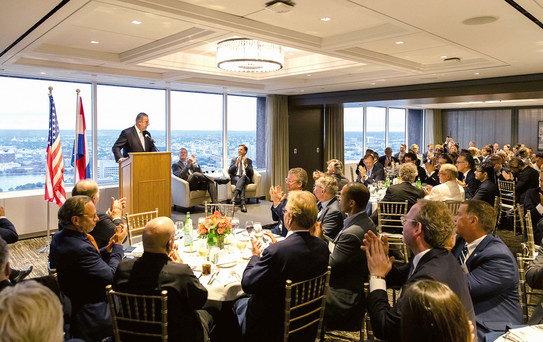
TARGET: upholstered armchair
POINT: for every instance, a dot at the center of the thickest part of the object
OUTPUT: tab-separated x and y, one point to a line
251	191
183	197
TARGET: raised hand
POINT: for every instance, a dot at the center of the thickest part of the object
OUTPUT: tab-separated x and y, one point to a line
379	264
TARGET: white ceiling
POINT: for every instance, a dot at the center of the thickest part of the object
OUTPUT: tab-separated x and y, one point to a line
175	43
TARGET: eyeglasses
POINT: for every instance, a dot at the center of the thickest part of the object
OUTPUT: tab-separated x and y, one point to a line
403	219
88	215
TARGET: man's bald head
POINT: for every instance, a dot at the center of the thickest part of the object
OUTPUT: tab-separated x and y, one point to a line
158	235
87	187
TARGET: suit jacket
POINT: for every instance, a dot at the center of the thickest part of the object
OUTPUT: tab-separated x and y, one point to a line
104	229
233	169
433	180
493	284
7	231
449	191
422	175
472	184
129	141
527	179
531	200
277	215
487	192
382	159
331	219
437	264
345	304
534	278
400	193
184	170
377	173
155	272
341	181
299	257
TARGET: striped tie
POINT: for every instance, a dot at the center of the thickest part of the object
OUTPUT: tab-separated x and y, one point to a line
463	255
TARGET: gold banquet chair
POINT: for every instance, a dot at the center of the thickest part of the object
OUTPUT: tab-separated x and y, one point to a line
528	295
528	247
389	215
143	316
453	206
508	203
227	210
304	305
135	223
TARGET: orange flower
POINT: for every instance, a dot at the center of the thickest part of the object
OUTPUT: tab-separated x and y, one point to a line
220	230
202	230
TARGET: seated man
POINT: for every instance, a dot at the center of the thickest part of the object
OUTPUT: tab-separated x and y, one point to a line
387	159
188	170
330	215
83	270
161	268
404	190
345	304
427	229
399	156
296	180
241	173
525	178
411	157
105	227
448	189
533	203
299	257
466	165
9	234
335	169
534	278
371	172
490	268
488	190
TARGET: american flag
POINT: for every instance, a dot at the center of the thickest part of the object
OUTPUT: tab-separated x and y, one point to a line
80	154
54	175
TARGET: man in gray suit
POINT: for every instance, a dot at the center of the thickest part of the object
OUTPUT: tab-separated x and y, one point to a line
330	215
345	304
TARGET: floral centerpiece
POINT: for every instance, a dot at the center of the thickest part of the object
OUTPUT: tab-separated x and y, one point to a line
214	228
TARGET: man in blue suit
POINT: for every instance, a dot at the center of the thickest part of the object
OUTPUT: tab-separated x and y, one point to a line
296	180
299	257
371	172
83	270
490	268
134	139
533	203
488	190
241	174
330	215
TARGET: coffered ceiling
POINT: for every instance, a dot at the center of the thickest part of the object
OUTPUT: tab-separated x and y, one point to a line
366	44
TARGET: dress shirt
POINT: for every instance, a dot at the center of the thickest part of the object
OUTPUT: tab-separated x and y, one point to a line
323	206
381	284
140	136
473	244
290	232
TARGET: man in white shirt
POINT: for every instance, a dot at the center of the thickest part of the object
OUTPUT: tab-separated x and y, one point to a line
448	190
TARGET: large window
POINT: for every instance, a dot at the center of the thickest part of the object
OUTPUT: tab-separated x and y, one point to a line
375	129
117	110
396	128
197	126
241	113
24	133
353	119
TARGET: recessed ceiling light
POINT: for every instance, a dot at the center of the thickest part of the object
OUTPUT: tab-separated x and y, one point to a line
309	75
372	83
443	57
290	53
302	90
480	20
476	73
136	22
398	42
95	42
43	73
326	19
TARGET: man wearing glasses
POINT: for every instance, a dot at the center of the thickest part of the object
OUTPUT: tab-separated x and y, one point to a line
448	189
84	270
427	229
466	165
296	180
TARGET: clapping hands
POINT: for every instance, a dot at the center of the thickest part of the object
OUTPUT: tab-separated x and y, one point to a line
276	195
379	264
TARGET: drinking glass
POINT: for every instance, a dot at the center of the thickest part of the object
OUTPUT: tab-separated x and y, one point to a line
179	225
201	220
235	222
203	250
258	230
249	226
241	243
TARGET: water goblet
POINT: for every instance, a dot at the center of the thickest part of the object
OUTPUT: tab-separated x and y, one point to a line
249	226
257	228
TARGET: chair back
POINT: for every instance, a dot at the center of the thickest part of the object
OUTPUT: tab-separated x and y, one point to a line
136	223
142	317
528	247
304	305
507	193
453	206
227	210
389	215
498	210
528	295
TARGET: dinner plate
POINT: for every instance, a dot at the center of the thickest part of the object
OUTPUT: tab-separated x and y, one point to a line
189	249
227	264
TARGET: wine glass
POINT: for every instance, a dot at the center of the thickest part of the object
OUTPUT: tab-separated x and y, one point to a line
249	226
241	243
179	225
201	220
235	222
203	250
257	228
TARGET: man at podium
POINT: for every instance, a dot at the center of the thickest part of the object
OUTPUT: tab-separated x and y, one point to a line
134	139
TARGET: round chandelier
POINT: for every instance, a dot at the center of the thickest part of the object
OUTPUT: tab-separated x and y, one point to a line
247	55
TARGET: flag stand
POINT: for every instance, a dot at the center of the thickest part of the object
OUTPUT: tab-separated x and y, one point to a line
48	241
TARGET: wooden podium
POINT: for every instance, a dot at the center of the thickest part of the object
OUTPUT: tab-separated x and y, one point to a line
145	180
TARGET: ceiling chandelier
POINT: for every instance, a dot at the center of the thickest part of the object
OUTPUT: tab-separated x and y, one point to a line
247	55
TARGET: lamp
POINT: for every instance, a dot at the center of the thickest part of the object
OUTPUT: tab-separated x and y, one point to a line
247	55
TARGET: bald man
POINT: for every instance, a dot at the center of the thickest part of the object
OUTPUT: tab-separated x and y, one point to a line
161	268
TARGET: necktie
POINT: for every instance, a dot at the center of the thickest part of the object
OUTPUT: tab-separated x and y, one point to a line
142	139
240	168
411	270
463	255
319	206
91	239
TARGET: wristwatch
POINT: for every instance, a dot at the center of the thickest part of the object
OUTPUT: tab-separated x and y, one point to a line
372	277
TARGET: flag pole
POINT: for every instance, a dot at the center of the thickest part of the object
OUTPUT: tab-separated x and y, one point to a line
76	141
46	247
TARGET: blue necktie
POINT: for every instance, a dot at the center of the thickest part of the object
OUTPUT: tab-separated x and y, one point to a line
463	255
411	270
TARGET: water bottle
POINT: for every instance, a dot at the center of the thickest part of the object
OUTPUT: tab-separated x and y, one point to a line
212	237
387	183
187	231
419	184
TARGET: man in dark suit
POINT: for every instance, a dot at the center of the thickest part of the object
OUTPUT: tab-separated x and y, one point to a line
427	229
525	177
84	270
188	170
345	304
241	173
488	190
296	180
330	215
9	234
108	221
533	203
371	172
534	278
404	191
388	159
161	268
399	156
334	169
466	165
490	268
411	157
299	257
134	139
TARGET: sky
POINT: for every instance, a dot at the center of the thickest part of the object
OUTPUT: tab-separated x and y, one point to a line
354	119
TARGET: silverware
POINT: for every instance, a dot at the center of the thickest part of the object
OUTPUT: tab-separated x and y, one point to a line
213	277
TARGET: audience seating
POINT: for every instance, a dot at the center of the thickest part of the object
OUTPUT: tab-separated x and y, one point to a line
528	247
525	291
366	324
143	316
389	216
508	202
251	190
498	210
227	210
183	197
136	223
304	306
453	206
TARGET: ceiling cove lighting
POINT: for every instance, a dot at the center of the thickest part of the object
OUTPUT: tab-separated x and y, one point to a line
136	22
247	55
326	19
